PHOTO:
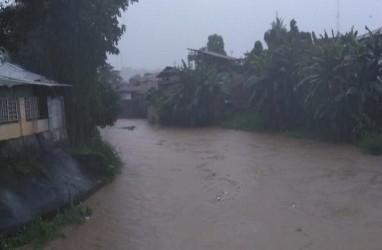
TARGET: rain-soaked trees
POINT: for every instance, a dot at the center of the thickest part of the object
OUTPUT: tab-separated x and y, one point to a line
68	41
216	44
272	75
330	85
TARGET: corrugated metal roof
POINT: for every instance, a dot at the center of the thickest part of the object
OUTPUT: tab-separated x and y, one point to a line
13	75
168	71
214	54
374	32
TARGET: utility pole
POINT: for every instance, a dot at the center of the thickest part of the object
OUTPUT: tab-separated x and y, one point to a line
338	17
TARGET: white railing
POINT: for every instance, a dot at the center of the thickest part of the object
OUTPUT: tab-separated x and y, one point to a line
8	110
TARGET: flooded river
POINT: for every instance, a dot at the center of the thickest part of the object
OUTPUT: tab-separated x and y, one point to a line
196	189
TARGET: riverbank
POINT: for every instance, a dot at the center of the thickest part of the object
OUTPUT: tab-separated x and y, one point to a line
35	186
24	197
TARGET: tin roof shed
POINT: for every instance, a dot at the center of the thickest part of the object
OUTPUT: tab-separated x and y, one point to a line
13	75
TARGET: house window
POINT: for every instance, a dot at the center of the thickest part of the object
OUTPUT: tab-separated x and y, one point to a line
31	108
8	110
43	107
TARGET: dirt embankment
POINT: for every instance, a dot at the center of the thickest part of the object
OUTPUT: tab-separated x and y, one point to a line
221	189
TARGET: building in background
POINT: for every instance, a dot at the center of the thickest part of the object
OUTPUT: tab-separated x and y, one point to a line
168	77
132	94
367	35
203	57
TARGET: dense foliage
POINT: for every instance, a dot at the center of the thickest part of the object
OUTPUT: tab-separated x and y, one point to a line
273	73
216	44
68	41
331	86
192	102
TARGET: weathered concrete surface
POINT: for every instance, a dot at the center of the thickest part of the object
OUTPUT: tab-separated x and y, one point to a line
23	198
221	189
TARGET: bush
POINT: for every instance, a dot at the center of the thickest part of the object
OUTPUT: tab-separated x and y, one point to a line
245	122
110	160
25	165
371	143
40	231
302	134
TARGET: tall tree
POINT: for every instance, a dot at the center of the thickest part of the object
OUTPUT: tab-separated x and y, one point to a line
216	44
68	41
273	75
258	48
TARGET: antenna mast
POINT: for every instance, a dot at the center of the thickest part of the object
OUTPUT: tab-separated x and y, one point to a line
338	16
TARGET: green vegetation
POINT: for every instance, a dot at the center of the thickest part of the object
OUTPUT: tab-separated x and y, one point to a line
331	85
40	231
25	165
371	144
301	134
68	41
216	44
190	103
245	122
110	162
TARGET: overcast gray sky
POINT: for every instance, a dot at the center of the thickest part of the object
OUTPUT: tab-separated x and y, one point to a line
160	31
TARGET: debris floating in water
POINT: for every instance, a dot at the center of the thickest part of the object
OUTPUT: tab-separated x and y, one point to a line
129	127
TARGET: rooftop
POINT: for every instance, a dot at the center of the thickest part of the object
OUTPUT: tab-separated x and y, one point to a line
13	75
374	32
214	54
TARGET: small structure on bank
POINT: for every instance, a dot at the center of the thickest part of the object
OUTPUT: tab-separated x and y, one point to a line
168	77
36	175
204	57
132	94
30	104
377	32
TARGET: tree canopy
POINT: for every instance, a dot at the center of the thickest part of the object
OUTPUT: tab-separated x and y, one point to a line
216	44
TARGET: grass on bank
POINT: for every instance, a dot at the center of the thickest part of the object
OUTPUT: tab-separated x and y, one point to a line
302	134
245	122
41	231
25	165
371	143
110	159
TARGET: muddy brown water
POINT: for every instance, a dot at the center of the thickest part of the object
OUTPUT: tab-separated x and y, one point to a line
191	189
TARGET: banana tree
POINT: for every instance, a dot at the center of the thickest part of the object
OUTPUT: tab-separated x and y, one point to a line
339	86
191	102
